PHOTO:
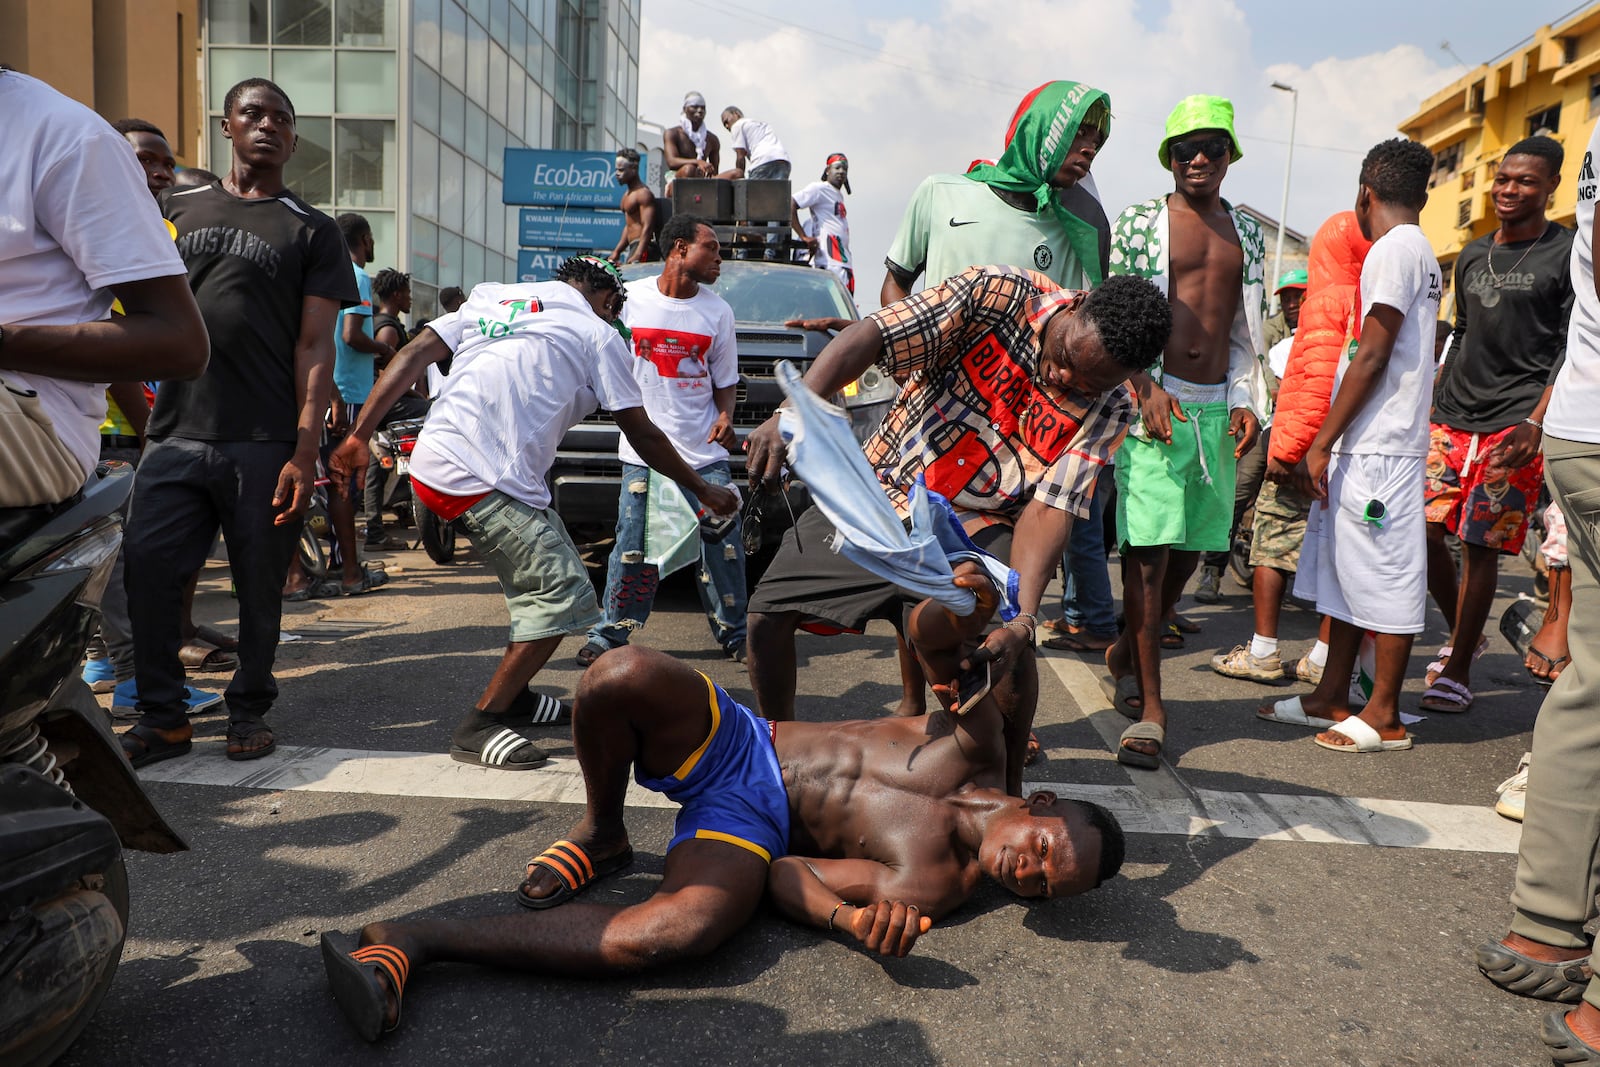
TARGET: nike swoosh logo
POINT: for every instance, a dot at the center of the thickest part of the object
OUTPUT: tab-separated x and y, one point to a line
969	222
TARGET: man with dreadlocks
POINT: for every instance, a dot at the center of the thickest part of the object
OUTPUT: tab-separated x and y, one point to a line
1023	209
529	362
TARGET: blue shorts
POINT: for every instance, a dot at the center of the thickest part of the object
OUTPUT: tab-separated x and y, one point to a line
731	787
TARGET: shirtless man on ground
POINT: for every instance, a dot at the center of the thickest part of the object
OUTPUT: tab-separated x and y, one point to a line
1200	407
876	828
692	150
640	223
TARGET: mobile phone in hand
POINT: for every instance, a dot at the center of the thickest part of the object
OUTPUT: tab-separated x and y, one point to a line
972	686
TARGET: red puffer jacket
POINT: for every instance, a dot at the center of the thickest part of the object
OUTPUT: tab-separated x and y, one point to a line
1330	320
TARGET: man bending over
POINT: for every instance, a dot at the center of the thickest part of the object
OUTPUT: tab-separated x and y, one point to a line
832	819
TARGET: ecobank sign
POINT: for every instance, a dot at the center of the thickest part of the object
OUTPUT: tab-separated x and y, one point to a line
549	178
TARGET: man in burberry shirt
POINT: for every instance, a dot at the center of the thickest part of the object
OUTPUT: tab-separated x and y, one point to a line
1013	403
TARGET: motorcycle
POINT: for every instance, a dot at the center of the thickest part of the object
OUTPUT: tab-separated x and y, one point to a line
69	801
392	444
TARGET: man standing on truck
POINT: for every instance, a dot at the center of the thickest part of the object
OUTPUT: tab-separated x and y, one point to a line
686	361
827	233
640	220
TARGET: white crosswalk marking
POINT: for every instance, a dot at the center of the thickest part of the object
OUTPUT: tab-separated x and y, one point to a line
1197	813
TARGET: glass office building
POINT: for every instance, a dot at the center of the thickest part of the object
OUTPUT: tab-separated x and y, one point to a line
405	107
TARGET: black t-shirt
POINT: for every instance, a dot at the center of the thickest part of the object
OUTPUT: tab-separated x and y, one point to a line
380	319
1509	339
251	264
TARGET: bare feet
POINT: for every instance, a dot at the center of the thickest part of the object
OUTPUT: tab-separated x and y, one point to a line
540	881
389	934
1585	1023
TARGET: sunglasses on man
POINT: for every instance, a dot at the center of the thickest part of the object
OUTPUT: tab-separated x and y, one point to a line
1211	147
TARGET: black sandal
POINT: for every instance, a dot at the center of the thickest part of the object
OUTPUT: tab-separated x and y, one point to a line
242	731
144	745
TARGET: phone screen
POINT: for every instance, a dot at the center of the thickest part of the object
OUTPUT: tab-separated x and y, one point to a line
971	687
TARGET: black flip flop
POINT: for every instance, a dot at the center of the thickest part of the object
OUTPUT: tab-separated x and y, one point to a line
242	730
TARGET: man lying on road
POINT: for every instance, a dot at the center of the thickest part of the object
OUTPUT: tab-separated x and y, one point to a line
876	828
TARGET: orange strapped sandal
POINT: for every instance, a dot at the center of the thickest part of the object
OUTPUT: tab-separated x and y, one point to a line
361	981
574	869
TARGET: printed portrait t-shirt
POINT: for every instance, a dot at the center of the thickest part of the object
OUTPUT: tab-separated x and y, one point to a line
1402	273
683	350
251	264
829	222
530	361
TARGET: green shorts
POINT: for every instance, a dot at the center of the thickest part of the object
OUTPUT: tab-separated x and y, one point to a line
547	589
1163	496
1280	527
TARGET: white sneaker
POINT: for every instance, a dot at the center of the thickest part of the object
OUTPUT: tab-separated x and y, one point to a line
1307	672
1514	791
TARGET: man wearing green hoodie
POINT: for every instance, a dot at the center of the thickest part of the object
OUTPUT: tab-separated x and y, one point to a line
1027	210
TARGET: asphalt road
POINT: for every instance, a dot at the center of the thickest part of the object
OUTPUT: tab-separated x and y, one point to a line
1217	945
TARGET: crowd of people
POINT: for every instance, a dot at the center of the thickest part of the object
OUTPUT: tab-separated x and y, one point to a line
1123	368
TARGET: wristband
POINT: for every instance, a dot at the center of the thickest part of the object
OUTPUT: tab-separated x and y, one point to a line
834	913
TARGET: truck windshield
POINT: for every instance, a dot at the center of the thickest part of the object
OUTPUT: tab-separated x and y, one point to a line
771	292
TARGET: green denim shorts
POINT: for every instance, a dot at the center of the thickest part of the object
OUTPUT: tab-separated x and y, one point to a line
546	586
1167	496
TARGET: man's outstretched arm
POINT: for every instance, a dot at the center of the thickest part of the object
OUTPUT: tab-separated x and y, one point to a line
871	901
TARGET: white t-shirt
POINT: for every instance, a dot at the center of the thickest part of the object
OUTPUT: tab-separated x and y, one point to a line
76	218
828	219
1400	272
683	351
1576	396
531	360
757	139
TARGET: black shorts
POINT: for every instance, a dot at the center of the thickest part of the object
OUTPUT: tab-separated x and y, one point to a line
829	591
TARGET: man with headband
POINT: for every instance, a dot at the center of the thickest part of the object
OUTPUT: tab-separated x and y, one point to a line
692	150
1200	407
827	233
529	362
1013	211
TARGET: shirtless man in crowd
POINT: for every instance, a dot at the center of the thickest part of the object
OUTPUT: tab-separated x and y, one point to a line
1200	408
875	828
641	222
692	150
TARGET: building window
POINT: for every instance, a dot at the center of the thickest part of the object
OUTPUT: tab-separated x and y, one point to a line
366	23
366	163
1464	213
1469	178
1475	99
1594	95
237	21
1445	164
1546	121
302	22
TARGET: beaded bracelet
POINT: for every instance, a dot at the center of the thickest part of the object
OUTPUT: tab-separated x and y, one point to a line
834	913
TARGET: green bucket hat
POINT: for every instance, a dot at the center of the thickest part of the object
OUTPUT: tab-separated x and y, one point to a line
1199	112
1293	279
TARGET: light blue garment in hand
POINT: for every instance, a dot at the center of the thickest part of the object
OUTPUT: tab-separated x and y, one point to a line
824	452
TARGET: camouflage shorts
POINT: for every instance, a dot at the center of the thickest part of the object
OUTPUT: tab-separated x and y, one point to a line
1280	527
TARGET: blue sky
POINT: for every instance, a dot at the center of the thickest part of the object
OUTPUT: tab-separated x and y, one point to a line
907	89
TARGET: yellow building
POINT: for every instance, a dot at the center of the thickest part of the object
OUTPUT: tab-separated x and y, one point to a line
1549	83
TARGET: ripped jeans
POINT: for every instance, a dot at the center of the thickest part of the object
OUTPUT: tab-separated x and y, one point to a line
631	583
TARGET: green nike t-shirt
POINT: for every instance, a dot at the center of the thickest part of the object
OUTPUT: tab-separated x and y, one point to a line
953	223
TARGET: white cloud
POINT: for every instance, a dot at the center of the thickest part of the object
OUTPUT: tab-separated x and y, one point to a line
919	96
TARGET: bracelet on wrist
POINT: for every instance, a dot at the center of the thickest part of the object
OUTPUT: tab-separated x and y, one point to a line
835	912
1535	423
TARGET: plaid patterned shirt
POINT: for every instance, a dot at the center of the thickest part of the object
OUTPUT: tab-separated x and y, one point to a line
971	418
